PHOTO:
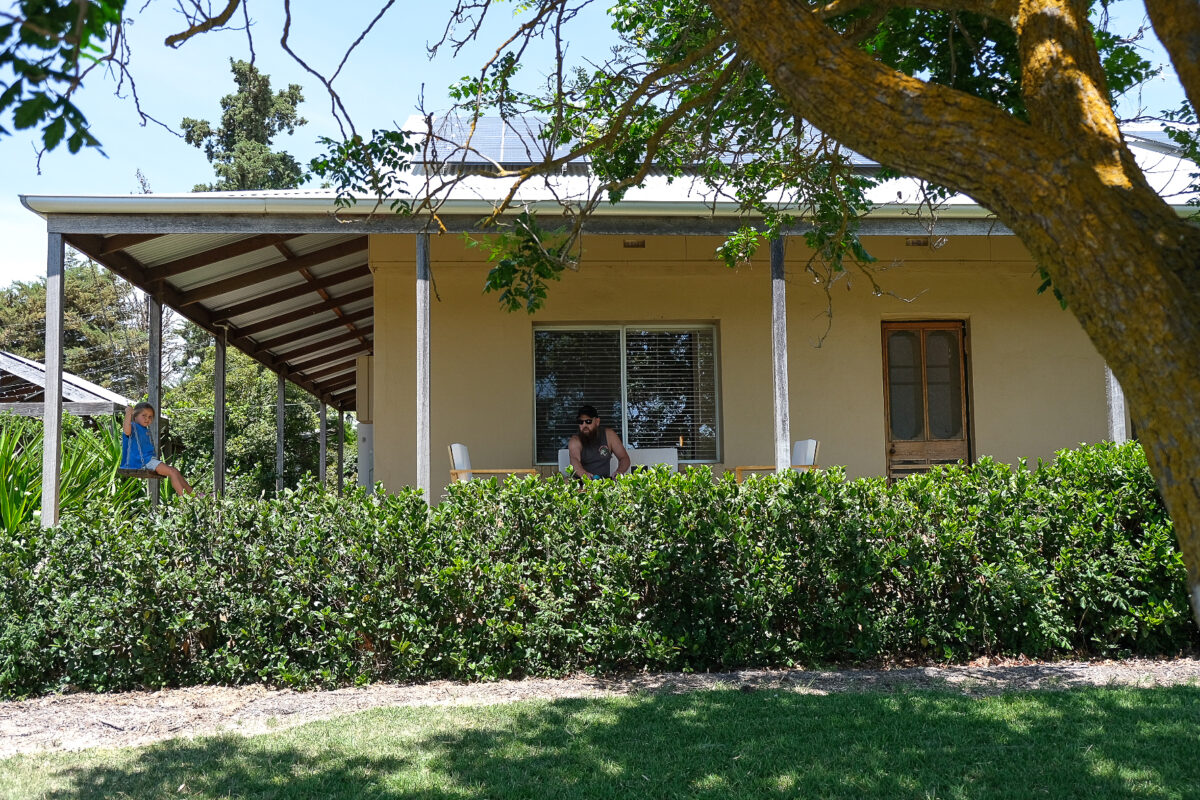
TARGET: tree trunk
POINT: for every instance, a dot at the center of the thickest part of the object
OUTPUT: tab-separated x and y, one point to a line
1064	183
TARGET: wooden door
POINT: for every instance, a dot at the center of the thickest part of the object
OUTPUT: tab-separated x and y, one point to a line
925	395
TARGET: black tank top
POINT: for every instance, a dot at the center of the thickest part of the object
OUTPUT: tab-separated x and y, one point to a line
596	456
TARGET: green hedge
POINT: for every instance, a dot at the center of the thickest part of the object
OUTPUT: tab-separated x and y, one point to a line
653	571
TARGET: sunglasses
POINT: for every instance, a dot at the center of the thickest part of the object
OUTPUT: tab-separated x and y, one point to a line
584	421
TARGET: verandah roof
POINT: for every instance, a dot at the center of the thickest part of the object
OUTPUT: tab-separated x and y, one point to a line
283	280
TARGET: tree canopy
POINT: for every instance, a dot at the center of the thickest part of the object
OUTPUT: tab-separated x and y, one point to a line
240	147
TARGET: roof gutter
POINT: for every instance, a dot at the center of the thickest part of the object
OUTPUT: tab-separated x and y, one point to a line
47	205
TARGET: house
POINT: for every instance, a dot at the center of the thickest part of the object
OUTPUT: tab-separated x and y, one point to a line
954	355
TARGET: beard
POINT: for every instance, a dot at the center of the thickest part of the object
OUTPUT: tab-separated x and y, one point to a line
593	436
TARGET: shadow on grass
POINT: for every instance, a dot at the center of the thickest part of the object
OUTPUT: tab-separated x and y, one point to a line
1092	743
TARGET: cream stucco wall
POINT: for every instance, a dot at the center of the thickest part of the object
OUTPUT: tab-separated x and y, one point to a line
1036	382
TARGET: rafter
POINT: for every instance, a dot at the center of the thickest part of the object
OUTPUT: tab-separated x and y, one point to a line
356	350
239	248
314	330
287	267
291	293
324	294
350	336
122	241
336	369
308	311
133	271
341	383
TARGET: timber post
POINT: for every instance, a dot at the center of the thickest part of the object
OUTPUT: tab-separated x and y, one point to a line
52	395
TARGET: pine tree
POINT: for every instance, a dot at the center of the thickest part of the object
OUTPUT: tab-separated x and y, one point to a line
240	148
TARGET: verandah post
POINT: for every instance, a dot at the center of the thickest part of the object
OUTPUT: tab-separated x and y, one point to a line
154	323
341	451
779	363
52	394
219	419
1114	397
280	418
423	476
324	437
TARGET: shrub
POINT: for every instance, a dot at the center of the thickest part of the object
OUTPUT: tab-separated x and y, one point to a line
652	571
88	471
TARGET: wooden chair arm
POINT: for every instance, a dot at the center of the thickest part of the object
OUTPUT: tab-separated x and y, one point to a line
737	471
455	473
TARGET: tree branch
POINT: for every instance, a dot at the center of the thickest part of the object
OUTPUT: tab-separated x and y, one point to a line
206	24
1002	10
913	123
1177	23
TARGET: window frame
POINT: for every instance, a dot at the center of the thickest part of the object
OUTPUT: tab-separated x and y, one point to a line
622	328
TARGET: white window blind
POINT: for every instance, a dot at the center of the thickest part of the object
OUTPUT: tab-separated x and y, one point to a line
657	387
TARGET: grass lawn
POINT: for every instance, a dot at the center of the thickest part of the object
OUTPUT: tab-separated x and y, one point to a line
1090	743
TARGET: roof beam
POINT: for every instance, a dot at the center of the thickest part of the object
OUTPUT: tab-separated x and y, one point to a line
700	223
356	350
314	330
308	311
122	241
287	267
349	336
131	270
239	248
291	293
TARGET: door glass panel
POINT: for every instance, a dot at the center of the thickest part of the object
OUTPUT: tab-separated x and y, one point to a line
945	385
907	412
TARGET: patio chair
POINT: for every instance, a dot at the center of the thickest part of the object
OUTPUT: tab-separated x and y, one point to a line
461	469
653	456
804	456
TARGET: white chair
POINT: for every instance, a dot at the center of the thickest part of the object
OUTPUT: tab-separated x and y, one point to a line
638	457
653	456
461	469
804	456
804	453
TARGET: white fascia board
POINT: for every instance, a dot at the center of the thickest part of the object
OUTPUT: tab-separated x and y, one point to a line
48	205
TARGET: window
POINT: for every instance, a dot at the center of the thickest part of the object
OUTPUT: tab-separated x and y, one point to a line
655	386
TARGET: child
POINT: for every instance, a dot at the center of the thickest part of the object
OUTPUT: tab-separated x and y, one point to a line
137	449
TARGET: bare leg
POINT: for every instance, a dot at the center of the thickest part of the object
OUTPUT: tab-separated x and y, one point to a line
178	482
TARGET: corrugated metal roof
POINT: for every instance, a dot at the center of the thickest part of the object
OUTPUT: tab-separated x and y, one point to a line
75	388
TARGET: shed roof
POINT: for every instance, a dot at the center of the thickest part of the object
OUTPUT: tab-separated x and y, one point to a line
22	379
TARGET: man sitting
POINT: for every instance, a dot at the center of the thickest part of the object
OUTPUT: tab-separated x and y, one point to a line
592	448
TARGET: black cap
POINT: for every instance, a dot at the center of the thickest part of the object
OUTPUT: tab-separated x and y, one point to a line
587	411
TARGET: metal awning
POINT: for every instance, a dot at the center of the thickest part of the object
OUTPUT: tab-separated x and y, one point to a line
293	292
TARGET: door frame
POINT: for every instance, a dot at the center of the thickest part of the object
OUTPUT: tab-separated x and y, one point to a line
923	455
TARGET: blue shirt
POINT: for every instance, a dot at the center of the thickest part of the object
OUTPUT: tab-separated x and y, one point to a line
138	449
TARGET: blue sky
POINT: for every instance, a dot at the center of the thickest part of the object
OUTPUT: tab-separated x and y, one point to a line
380	86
